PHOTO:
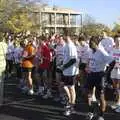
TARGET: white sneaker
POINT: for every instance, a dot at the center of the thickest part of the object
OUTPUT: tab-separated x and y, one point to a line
40	90
90	116
118	110
115	106
30	92
48	95
45	96
100	118
67	112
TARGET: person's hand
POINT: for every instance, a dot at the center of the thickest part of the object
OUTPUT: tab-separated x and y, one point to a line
61	68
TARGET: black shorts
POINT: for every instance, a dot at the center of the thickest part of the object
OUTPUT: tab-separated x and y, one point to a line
95	79
59	71
43	71
27	69
69	80
82	66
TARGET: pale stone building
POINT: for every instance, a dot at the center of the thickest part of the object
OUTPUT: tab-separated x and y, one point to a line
55	20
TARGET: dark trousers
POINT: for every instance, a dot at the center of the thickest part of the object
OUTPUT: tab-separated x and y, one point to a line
9	66
18	70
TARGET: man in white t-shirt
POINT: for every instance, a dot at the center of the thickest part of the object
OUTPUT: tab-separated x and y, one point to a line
70	71
96	66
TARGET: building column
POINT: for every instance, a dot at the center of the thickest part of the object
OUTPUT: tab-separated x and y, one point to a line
76	20
40	21
55	23
81	22
76	27
69	19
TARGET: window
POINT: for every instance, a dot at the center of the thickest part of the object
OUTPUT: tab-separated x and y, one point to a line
73	19
59	19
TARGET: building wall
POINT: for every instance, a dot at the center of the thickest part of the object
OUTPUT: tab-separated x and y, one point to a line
55	20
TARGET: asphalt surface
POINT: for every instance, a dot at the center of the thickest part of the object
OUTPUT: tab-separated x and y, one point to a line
18	106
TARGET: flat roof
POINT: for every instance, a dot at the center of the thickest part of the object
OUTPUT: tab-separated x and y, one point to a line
61	12
57	10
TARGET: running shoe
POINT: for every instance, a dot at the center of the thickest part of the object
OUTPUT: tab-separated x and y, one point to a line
100	118
90	116
67	112
117	110
30	92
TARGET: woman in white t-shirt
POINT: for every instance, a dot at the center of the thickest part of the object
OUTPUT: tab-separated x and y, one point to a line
17	55
83	54
115	73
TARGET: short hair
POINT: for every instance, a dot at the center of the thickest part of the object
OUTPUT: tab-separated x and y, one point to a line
81	38
67	32
95	39
116	36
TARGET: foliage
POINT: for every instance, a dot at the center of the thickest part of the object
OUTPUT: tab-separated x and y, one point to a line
95	29
116	27
7	8
19	22
90	27
15	15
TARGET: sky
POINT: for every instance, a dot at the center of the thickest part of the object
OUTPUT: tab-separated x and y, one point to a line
103	11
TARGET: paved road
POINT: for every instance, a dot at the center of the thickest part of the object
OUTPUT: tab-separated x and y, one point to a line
22	107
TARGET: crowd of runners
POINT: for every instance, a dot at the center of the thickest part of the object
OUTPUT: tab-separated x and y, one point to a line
51	67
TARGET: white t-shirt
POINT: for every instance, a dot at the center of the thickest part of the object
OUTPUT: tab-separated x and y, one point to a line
115	73
17	54
78	52
84	53
107	43
59	53
70	52
10	51
98	60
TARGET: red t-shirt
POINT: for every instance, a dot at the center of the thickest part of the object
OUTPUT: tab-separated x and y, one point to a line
45	55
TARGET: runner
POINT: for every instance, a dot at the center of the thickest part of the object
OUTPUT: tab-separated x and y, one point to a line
17	54
115	73
3	51
27	64
70	71
9	56
107	43
83	54
44	67
97	62
59	56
